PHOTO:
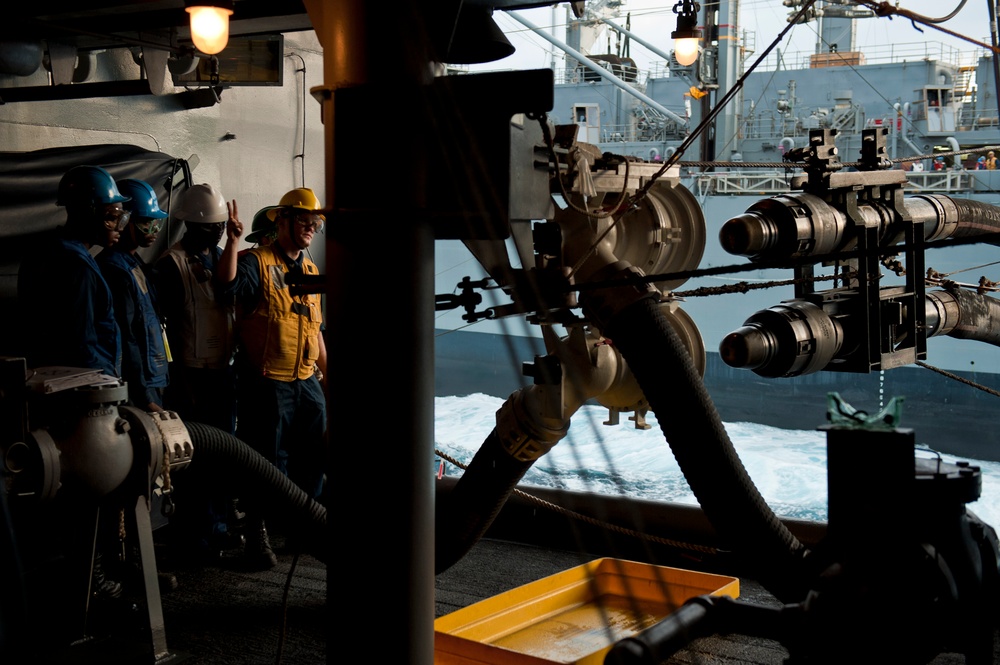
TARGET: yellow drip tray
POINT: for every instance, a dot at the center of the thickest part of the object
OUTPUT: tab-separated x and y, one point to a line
573	617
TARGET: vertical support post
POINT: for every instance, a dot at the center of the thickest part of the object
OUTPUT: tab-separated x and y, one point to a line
380	308
729	72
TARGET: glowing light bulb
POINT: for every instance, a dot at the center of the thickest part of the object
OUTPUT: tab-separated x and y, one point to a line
209	28
686	50
687	35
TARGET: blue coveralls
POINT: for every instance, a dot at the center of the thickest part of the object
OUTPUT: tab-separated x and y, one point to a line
68	309
144	357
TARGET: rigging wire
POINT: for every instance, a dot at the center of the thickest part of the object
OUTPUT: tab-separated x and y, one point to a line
955	377
710	117
632	202
593	521
955	272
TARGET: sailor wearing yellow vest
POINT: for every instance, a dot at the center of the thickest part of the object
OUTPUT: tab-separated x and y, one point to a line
281	357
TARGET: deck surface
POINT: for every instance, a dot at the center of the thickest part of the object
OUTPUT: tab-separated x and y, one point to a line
226	615
494	566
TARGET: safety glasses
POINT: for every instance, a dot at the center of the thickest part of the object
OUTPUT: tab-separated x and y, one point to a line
148	225
311	222
116	220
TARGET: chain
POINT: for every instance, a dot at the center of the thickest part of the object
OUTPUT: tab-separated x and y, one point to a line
743	287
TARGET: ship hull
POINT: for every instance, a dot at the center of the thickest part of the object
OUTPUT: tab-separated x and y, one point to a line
946	415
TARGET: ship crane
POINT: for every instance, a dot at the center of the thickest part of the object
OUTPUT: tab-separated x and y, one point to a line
859	326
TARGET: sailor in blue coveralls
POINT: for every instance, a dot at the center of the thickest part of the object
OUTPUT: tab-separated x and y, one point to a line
67	307
144	354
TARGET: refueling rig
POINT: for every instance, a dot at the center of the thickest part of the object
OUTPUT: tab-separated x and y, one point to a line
615	256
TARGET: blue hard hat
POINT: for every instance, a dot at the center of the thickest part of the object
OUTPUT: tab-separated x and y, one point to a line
144	203
939	159
88	185
981	159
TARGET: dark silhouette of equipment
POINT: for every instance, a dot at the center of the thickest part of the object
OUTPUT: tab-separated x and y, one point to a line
907	571
74	453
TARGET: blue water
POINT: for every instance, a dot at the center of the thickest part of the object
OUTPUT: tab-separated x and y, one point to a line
787	466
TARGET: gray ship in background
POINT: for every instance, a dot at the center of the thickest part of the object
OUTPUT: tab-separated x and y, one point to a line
933	109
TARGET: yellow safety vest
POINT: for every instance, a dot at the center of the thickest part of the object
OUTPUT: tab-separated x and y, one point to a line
281	334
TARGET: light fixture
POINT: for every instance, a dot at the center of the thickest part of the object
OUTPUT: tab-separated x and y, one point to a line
209	24
687	35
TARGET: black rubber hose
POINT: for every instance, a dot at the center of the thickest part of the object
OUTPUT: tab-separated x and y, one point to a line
475	501
959	313
704	453
975	218
236	464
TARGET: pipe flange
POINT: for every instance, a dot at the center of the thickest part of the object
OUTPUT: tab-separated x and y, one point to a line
527	428
33	466
108	393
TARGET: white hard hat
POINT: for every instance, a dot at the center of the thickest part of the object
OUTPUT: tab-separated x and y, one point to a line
202	204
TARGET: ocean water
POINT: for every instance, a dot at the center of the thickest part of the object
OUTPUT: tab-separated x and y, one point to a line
787	466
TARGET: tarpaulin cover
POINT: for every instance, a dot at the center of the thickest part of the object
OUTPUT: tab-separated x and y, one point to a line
29	181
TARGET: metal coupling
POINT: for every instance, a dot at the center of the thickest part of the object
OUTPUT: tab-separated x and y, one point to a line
794	338
526	425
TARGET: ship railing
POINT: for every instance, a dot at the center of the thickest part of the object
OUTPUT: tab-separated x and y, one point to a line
640	132
562	74
736	183
758	182
971	119
942	182
881	54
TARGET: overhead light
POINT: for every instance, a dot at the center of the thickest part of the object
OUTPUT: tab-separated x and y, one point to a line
476	38
209	24
687	36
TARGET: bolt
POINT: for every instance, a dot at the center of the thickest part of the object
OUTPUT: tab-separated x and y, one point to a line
122	426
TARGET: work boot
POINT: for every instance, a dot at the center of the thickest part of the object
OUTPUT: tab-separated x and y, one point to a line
166	581
101	586
257	554
236	515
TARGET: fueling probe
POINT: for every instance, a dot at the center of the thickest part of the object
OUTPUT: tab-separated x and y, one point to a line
860	222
